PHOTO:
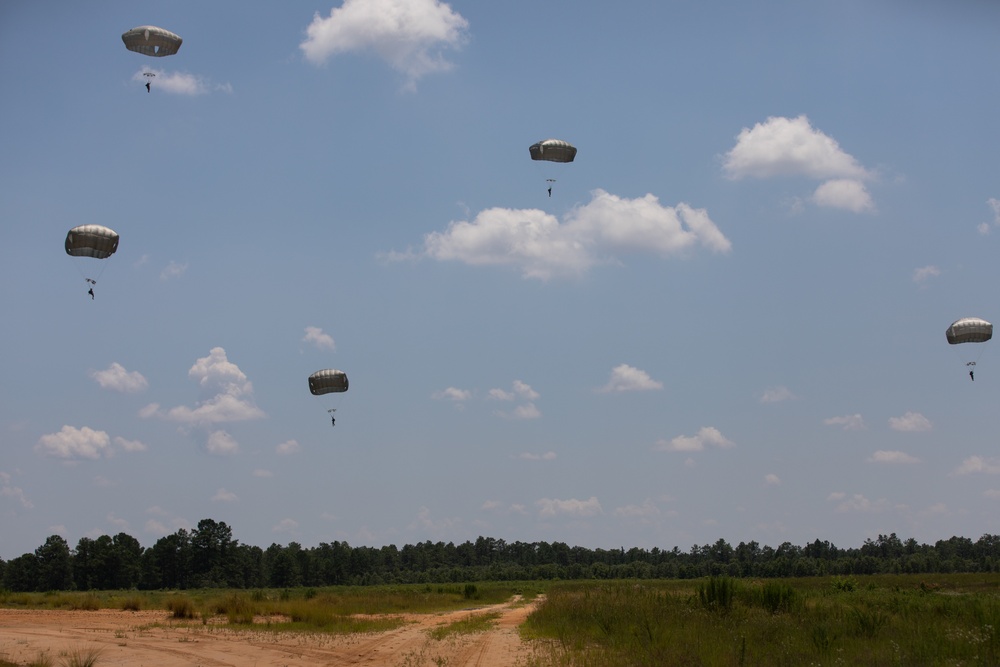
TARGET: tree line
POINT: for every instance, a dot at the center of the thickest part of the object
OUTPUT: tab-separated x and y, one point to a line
209	557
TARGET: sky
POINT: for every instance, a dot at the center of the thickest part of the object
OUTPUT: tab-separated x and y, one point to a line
727	321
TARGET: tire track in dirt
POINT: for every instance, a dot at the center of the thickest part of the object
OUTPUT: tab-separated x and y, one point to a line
153	638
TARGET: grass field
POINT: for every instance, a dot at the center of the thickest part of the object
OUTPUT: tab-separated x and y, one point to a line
866	620
877	620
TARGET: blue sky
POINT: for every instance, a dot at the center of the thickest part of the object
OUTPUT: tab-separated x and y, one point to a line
727	321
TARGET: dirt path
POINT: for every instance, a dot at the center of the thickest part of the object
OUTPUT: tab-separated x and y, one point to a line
148	638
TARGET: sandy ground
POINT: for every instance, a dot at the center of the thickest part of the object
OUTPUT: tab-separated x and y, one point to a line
151	638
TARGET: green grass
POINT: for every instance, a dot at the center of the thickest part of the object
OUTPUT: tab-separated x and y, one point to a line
879	620
467	626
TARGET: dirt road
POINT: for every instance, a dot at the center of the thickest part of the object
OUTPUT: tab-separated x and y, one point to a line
148	638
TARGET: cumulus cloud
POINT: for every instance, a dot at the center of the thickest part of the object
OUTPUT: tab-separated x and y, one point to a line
706	436
541	247
847	422
225	496
550	507
16	493
315	336
776	395
525	411
844	193
859	503
910	422
409	35
286	526
227	394
528	456
771	479
288	447
520	390
629	378
924	273
181	83
173	270
221	443
994	204
453	394
647	509
978	464
262	473
115	377
75	443
130	445
792	147
886	456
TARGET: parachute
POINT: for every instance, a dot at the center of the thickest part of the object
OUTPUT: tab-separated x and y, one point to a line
552	150
152	41
94	241
969	330
327	381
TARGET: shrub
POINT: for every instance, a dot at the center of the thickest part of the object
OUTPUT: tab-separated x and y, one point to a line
181	606
717	593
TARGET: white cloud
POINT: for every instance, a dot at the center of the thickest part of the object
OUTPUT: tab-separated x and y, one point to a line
173	270
409	35
180	83
924	273
288	447
315	336
994	204
910	422
73	443
521	390
859	503
453	394
225	496
647	509
550	507
228	393
528	456
526	411
975	464
847	422
525	391
117	378
792	147
844	193
535	242
221	443
789	147
262	473
886	456
707	436
130	445
992	494
629	378
776	395
771	479
14	492
286	526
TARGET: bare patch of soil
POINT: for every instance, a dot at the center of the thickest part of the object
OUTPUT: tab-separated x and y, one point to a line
152	638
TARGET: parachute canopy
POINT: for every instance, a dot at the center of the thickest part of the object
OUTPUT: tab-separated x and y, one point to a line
151	41
327	381
969	330
553	150
91	241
